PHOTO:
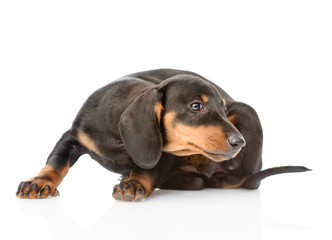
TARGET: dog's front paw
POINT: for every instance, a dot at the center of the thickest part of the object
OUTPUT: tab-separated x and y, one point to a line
129	191
37	188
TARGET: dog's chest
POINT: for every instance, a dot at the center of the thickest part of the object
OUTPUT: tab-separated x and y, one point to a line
198	164
202	165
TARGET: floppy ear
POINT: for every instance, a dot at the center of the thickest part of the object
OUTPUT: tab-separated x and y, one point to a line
140	131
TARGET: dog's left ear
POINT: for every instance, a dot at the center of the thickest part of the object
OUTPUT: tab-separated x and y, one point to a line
140	131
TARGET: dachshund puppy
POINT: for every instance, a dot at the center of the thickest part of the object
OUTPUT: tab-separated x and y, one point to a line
166	129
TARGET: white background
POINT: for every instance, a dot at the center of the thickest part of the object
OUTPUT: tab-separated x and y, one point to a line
273	55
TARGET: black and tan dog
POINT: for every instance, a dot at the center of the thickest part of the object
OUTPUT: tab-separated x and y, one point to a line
166	129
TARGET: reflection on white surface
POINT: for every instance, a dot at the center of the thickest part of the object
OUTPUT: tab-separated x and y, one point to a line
49	217
185	214
229	214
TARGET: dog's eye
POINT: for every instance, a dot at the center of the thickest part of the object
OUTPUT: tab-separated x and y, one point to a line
196	106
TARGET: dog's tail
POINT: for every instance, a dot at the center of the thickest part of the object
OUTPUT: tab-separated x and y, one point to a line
254	180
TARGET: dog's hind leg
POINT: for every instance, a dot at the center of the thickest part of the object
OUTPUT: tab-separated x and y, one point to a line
249	160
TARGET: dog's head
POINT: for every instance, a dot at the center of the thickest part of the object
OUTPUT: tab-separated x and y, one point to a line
183	115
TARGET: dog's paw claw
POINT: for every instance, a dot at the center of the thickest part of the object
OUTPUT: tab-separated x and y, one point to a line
37	188
129	191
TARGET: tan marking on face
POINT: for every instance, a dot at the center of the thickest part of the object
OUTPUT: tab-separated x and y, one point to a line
205	98
158	108
145	180
237	185
183	140
86	141
223	101
231	118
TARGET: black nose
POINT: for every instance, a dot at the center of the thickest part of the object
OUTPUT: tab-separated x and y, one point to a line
236	141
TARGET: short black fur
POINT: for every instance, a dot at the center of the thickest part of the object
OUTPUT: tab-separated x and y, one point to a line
121	129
